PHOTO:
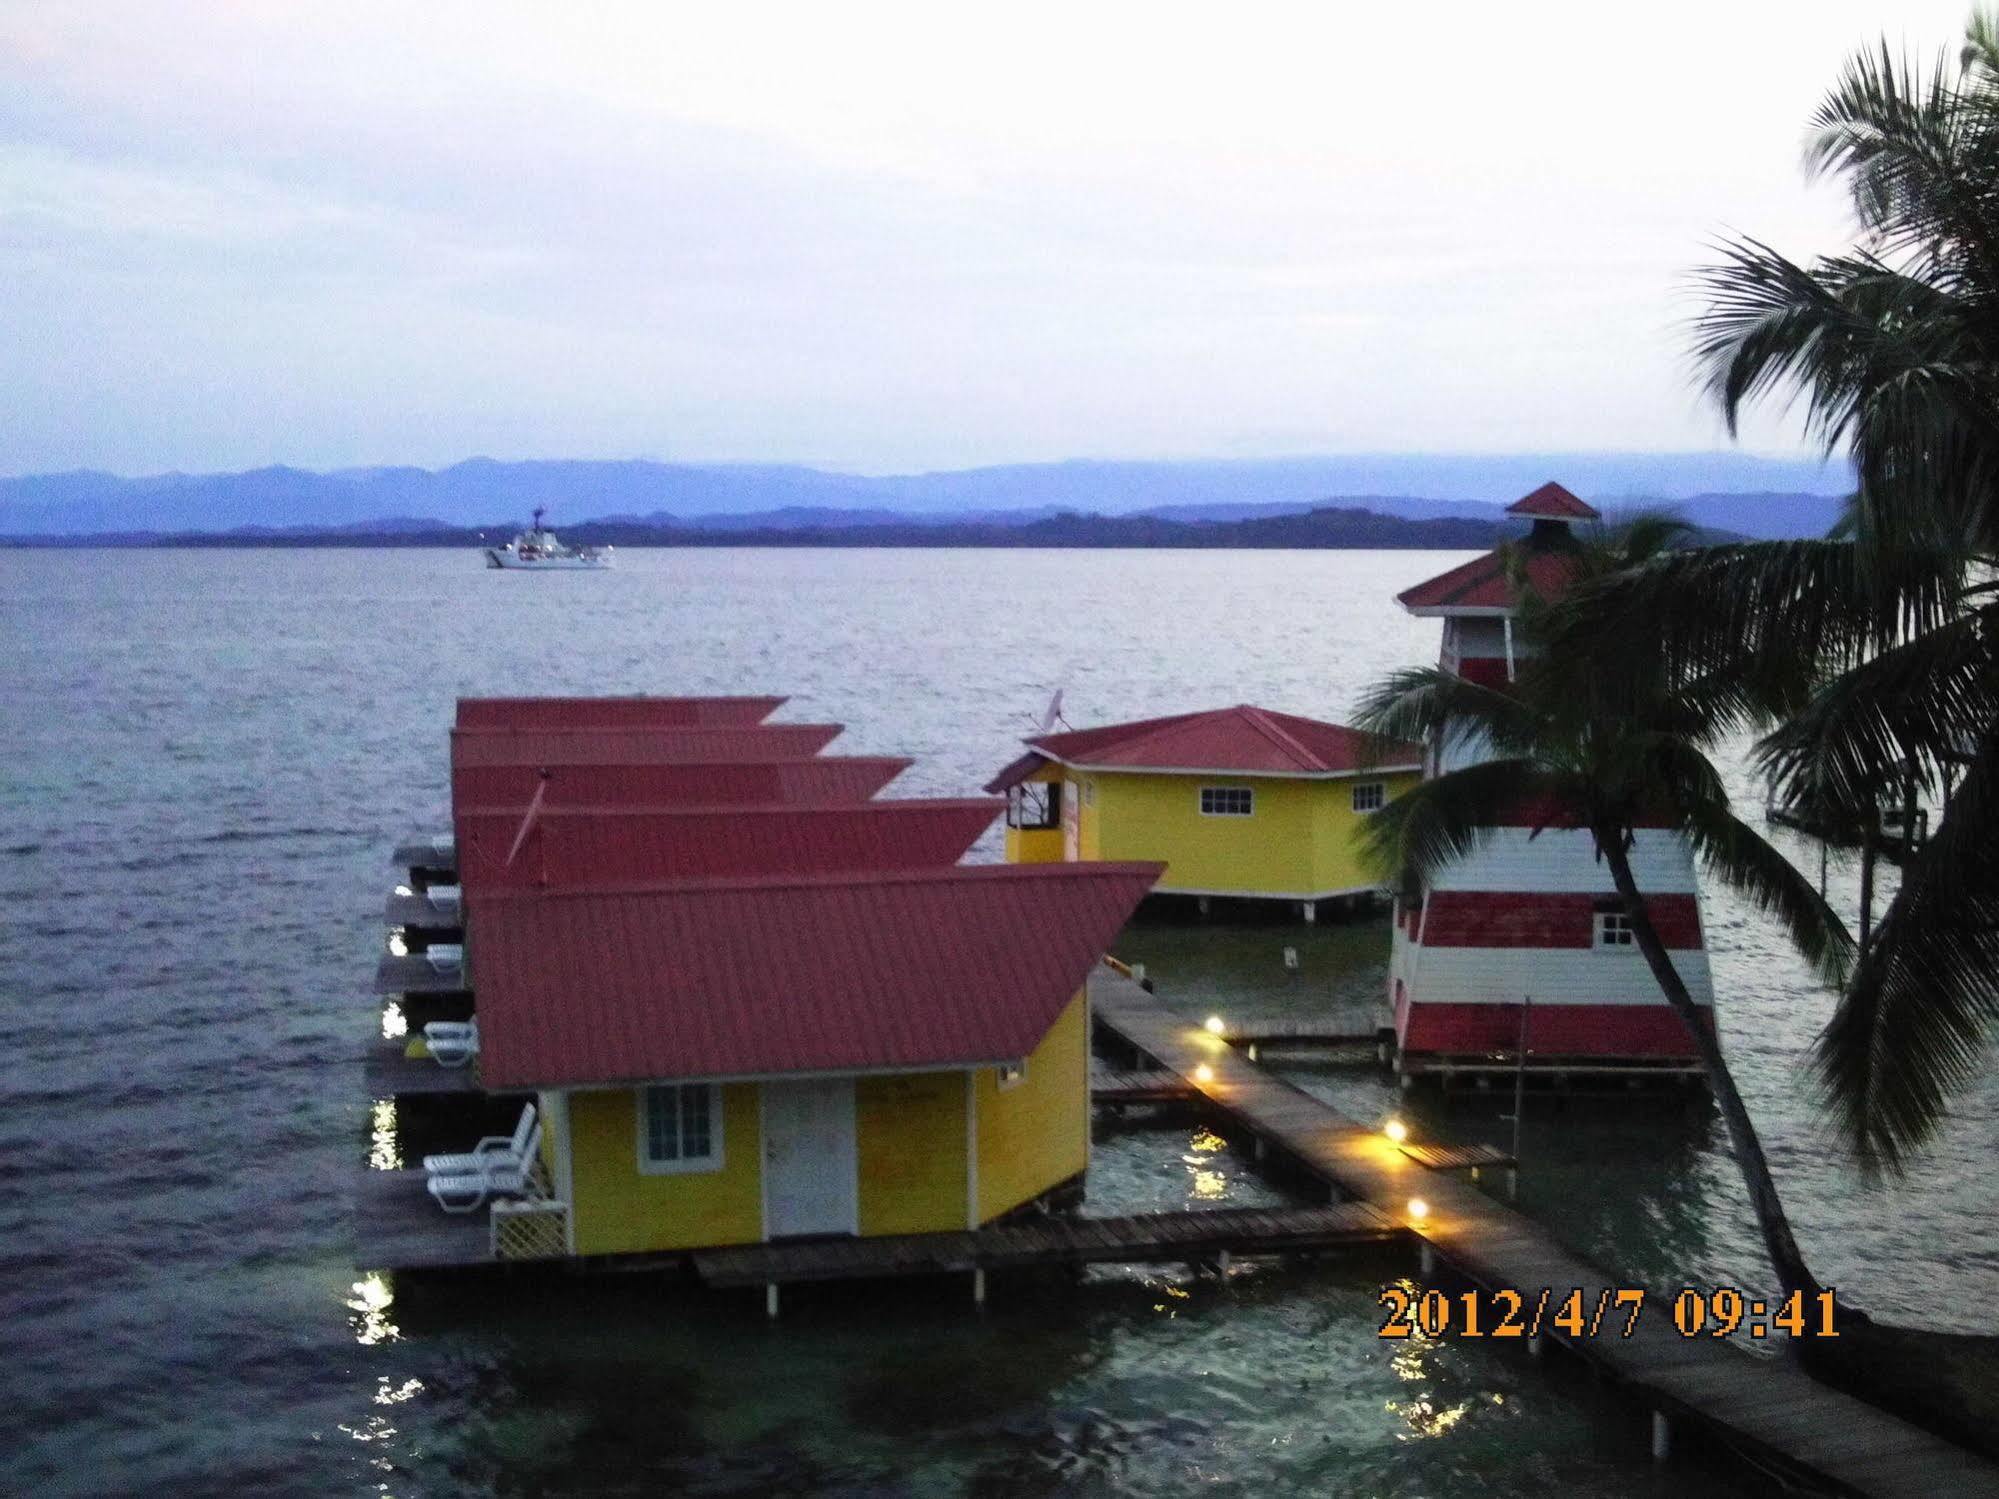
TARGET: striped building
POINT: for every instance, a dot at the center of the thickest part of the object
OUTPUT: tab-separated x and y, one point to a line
1524	943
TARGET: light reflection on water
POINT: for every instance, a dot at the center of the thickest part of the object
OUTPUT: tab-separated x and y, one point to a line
189	1323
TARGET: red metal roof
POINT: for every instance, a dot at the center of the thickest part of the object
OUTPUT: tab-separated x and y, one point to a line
824	781
781	741
1243	739
940	968
1552	502
572	849
614	712
1015	772
1481	584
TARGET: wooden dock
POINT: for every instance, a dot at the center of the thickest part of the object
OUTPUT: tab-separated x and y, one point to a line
398	1227
1117	1086
1770	1406
1053	1240
1292	1030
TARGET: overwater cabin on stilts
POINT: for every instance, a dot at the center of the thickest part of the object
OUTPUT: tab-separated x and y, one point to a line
1239	803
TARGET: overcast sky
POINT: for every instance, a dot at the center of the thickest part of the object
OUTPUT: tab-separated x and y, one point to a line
885	238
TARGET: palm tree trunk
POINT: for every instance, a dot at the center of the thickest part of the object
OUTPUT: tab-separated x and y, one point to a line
1778	1241
1867	855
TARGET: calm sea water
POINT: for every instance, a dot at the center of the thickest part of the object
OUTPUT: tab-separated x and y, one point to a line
206	757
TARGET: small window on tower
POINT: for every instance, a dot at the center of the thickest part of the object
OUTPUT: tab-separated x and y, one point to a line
1613	929
1369	796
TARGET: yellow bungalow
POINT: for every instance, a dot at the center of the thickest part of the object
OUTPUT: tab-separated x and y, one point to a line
722	1063
1238	802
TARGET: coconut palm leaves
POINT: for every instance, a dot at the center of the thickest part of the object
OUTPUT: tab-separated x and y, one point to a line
1874	654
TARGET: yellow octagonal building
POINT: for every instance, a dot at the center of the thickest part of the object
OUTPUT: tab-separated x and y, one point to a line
1240	802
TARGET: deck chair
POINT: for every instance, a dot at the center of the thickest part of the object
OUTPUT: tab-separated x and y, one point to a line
445	956
467	1191
452	1043
495	1152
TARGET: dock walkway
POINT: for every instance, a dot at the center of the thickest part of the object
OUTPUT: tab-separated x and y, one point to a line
1054	1240
1770	1405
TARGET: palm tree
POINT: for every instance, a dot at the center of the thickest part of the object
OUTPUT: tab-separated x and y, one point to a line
1609	746
1893	347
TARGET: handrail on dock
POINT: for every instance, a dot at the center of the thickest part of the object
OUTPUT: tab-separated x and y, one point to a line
1771	1405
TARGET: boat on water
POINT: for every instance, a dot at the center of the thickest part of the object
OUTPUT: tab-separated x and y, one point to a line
538	548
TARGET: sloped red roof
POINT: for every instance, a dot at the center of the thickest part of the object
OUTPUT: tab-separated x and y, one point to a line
1482	584
779	741
823	781
1243	739
573	849
614	712
941	968
1552	502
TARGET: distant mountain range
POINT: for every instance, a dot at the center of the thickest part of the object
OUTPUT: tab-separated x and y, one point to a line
1749	496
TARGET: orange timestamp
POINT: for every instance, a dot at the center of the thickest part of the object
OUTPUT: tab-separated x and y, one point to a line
1606	1311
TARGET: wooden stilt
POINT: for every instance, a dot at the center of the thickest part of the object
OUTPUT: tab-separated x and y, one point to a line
1662	1437
770	1300
978	1287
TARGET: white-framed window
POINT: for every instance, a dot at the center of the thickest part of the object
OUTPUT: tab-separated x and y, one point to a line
1010	1076
680	1128
1370	796
1613	930
1227	801
1034	804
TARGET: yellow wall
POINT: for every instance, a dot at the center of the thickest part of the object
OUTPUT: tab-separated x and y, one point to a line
910	1144
1300	839
1036	1134
617	1209
1088	791
1038	845
1340	860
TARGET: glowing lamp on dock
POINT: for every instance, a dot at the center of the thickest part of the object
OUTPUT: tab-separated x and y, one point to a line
1418	1210
1396	1130
1204	1073
1215	1026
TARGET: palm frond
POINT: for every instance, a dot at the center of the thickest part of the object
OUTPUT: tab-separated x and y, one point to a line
1739	856
1437	822
1914	1026
1423	704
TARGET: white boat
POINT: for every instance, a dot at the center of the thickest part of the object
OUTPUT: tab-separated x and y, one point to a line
537	548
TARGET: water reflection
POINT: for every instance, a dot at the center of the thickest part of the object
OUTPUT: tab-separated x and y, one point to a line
385	1148
1209	1184
370	1304
395	1024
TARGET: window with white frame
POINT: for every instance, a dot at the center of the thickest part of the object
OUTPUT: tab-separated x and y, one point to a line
680	1128
1010	1076
1226	801
1613	930
1369	796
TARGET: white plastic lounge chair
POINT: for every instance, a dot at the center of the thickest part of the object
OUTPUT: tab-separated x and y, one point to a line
443	897
444	845
495	1152
452	1043
445	956
466	1192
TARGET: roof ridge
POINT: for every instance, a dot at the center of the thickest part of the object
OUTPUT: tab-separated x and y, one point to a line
966	874
1260	719
992	804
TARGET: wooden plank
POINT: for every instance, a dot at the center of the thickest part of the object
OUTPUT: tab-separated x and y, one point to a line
1770	1403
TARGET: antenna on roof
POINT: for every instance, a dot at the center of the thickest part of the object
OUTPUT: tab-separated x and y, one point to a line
1052	714
527	819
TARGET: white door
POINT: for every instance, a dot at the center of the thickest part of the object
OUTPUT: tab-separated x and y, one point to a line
809	1171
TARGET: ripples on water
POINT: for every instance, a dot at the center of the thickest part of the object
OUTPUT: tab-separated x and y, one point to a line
207	756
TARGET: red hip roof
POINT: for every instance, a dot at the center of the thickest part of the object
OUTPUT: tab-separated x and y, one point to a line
944	968
571	849
822	781
1244	739
499	746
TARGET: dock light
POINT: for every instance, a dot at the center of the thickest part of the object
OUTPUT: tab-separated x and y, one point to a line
1396	1130
1214	1026
1418	1210
1204	1073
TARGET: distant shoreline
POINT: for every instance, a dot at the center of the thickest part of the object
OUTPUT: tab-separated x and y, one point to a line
1332	528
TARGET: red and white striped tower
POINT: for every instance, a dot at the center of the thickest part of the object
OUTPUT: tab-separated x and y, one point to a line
1534	916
